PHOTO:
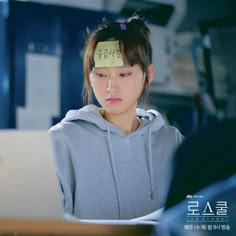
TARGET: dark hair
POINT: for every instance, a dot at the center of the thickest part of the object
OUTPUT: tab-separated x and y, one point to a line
133	36
211	149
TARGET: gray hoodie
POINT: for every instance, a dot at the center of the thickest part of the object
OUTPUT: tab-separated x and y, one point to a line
105	174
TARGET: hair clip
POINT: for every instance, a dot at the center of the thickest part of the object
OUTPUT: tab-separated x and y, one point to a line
123	26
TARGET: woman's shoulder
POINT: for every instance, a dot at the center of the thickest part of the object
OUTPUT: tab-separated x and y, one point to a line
170	132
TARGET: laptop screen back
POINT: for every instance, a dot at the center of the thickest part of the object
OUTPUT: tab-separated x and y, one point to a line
29	187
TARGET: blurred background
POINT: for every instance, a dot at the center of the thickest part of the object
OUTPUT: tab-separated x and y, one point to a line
41	51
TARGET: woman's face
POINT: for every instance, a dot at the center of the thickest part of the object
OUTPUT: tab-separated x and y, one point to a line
117	89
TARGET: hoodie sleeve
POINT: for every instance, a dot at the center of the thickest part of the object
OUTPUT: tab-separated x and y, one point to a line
64	169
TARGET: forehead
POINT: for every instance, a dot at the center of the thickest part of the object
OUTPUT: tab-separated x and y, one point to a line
125	68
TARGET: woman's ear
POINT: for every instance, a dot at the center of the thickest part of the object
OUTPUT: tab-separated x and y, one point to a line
151	71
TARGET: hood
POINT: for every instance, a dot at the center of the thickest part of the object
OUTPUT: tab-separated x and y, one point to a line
92	114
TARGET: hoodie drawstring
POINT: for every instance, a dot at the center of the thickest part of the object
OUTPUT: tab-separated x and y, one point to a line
111	155
150	163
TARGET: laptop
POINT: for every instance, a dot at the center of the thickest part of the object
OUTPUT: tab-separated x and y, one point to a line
30	199
29	187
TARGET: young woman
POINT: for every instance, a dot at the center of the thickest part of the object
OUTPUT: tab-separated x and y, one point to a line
113	160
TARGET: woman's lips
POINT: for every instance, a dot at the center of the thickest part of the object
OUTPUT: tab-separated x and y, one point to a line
114	100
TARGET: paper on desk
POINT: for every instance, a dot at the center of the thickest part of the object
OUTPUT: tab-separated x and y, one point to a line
151	219
74	219
120	222
154	216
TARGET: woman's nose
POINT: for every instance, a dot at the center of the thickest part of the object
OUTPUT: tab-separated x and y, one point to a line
111	84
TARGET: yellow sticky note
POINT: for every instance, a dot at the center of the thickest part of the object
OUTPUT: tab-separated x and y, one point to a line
107	54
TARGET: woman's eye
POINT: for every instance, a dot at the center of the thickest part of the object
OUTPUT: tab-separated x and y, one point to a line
101	75
124	74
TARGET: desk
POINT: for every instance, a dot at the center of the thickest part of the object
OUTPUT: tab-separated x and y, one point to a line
20	227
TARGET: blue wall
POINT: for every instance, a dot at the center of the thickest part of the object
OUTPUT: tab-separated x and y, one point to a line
49	26
4	75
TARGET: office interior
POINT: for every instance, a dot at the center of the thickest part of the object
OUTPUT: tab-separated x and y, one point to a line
42	47
41	51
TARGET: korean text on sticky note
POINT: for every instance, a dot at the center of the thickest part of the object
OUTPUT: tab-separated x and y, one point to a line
107	54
